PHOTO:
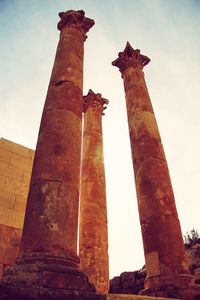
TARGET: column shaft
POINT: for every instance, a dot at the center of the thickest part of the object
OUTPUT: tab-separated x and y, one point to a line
162	238
93	249
52	209
158	215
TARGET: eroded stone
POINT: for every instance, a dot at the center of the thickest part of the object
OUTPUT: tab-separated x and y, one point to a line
158	216
93	248
48	254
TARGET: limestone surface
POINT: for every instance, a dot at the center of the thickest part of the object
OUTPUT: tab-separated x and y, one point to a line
165	258
48	253
93	246
15	171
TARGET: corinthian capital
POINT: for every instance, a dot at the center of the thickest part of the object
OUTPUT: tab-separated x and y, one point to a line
130	58
73	18
94	101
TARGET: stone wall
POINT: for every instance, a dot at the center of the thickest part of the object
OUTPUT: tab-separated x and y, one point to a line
15	171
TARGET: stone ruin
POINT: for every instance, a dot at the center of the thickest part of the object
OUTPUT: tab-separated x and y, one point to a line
133	282
47	265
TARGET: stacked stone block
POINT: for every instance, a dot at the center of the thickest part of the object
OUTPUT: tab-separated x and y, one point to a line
15	171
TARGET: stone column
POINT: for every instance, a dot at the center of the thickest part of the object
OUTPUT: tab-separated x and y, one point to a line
166	263
48	256
93	249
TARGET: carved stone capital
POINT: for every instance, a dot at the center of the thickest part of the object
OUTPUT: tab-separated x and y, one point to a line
130	58
94	101
77	19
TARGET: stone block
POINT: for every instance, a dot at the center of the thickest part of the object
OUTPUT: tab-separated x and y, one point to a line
12	186
31	153
152	262
8	170
24	191
10	255
13	147
4	235
20	205
2	253
21	198
9	236
5	216
7	199
21	162
16	219
13	172
5	155
2	181
14	236
26	177
3	167
10	217
15	187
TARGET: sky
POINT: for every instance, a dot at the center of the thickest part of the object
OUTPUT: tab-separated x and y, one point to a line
167	31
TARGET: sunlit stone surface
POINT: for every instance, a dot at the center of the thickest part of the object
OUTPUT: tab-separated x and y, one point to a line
48	255
166	265
93	250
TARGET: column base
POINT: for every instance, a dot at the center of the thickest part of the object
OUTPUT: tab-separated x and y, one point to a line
39	274
179	287
179	280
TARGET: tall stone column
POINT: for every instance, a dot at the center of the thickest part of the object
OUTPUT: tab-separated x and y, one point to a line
166	263
93	249
48	256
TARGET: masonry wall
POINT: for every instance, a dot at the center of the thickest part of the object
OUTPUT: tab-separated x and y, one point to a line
15	171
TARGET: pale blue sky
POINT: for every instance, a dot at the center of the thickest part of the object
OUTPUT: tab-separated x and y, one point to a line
168	31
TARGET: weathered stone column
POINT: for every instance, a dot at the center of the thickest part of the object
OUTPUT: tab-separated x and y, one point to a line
48	256
93	249
162	238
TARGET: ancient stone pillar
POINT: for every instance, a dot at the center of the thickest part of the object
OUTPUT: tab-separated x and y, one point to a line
93	249
166	264
48	256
